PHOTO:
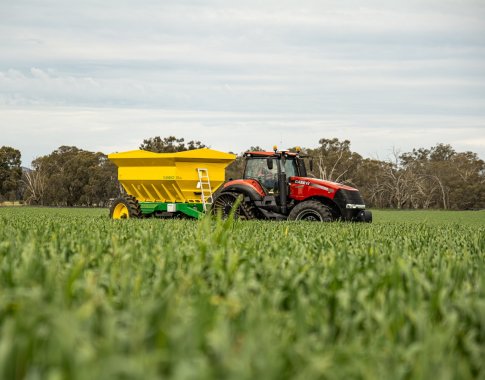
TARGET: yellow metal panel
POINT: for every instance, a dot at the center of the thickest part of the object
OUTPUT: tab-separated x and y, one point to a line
173	177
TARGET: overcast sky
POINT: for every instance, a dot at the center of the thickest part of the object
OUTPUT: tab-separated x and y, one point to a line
104	75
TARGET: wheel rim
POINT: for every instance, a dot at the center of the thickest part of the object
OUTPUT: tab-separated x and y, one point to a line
224	203
121	212
309	215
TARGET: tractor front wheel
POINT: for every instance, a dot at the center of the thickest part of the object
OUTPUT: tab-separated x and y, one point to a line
125	208
312	211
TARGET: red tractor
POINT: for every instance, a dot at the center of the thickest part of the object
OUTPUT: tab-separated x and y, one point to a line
275	185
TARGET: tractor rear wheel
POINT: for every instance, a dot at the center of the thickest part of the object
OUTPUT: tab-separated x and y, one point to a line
224	203
125	207
312	211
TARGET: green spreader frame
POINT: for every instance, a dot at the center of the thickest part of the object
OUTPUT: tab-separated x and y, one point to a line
194	210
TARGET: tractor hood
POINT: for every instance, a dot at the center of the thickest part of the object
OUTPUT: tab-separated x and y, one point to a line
323	184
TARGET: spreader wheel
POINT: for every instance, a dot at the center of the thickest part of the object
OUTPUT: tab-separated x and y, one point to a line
224	203
125	207
312	211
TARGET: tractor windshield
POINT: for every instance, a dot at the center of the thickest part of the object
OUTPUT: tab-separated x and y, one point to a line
290	168
257	168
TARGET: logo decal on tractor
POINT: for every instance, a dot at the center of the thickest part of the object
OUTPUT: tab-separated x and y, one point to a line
327	189
308	183
299	181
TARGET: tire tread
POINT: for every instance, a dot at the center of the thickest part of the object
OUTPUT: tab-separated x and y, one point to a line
323	210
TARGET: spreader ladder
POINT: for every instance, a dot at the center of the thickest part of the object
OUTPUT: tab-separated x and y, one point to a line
205	187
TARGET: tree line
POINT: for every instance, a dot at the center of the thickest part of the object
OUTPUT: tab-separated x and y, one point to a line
438	177
435	178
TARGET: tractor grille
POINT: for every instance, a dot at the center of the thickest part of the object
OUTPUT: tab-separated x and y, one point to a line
342	197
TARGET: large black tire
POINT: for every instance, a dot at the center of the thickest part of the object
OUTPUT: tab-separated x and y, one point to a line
312	211
125	207
224	202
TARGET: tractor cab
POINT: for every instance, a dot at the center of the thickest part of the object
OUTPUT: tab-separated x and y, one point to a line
267	168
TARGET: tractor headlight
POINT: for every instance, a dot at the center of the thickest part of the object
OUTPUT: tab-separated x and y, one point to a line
354	206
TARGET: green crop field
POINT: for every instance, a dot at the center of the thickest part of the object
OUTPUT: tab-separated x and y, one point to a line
84	297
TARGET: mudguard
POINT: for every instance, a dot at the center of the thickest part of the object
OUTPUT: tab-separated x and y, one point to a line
249	187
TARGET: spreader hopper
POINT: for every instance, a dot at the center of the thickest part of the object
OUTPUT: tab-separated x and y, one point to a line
170	177
188	177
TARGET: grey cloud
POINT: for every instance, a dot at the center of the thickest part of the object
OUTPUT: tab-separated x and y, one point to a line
275	63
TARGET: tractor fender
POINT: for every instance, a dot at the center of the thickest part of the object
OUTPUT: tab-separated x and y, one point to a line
244	188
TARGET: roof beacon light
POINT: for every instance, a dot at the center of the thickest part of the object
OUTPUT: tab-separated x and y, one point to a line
275	148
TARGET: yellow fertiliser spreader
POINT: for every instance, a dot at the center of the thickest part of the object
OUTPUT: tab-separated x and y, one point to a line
168	184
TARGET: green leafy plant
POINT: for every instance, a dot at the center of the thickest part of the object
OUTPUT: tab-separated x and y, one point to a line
85	297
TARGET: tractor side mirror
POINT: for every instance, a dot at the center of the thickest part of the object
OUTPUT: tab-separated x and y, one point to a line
269	162
311	164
